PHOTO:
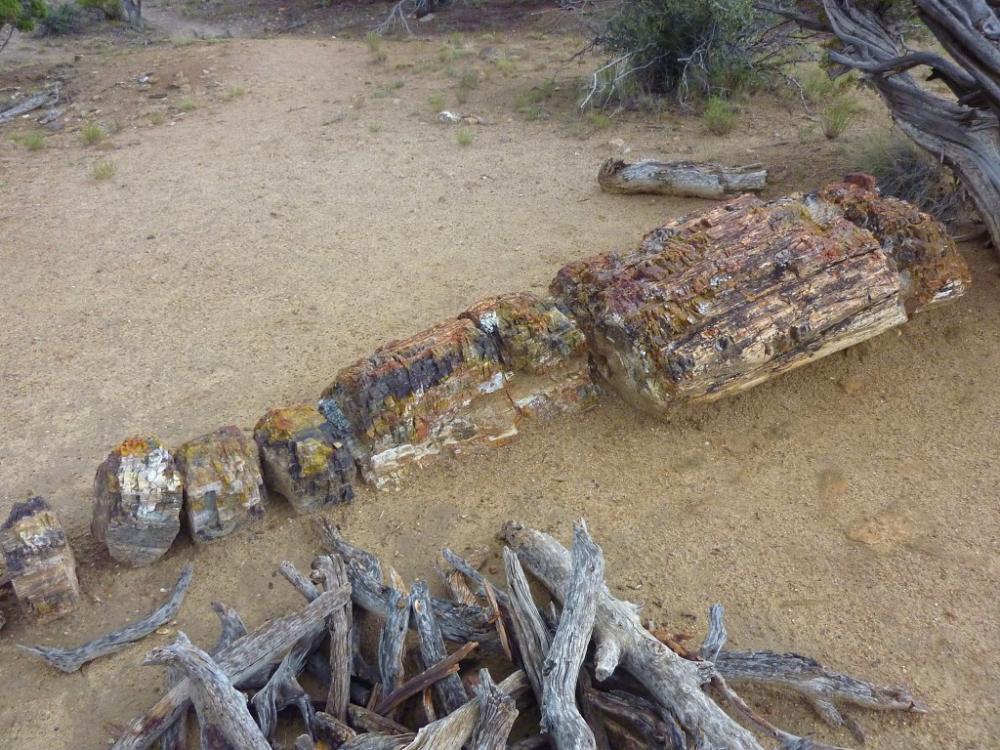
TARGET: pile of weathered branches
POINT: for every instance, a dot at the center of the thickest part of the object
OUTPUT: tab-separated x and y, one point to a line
633	689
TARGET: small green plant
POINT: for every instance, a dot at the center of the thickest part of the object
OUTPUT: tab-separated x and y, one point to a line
374	128
103	170
373	40
464	137
33	141
437	102
92	134
719	116
388	89
819	88
156	118
62	19
505	65
598	120
530	103
112	9
838	115
187	104
234	92
467	83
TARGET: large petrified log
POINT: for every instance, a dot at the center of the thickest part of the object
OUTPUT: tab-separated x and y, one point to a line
722	300
39	560
303	460
137	501
695	179
222	483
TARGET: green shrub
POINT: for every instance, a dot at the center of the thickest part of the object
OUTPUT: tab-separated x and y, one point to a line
103	170
22	14
33	141
838	115
719	116
112	9
187	104
437	102
818	87
61	20
705	47
92	133
374	43
464	137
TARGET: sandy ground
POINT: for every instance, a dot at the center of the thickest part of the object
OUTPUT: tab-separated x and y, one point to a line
246	249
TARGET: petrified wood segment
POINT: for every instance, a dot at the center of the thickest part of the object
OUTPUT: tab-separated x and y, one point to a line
440	390
39	561
719	301
696	179
222	483
137	501
543	351
303	459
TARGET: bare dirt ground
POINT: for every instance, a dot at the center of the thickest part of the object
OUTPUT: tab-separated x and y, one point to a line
280	207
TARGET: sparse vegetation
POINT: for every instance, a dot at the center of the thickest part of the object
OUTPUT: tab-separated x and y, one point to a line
818	87
377	55
505	65
531	102
234	92
92	134
61	20
33	141
374	128
904	171
112	9
464	137
21	15
467	83
837	115
187	104
598	120
719	116
437	102
388	89
103	170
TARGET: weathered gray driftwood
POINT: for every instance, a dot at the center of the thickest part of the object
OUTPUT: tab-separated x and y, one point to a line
340	626
533	637
446	667
249	656
36	101
497	713
455	580
232	628
301	583
283	688
304	742
71	659
392	640
638	714
458	622
369	721
378	742
330	730
590	711
695	179
560	717
224	719
673	682
449	690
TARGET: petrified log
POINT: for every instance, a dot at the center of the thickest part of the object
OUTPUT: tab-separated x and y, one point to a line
695	179
303	459
722	300
222	483
71	659
39	560
440	390
543	351
222	710
137	501
243	661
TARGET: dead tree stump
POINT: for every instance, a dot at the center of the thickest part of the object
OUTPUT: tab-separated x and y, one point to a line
719	301
137	501
39	560
303	460
222	483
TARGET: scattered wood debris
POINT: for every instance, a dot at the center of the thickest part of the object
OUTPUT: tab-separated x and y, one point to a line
631	690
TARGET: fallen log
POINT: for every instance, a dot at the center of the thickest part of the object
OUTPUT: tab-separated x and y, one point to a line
688	178
223	716
36	101
719	301
71	659
246	658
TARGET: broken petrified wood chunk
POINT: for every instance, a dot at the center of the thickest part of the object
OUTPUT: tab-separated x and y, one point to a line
440	390
304	460
137	501
222	483
543	351
697	179
722	300
40	563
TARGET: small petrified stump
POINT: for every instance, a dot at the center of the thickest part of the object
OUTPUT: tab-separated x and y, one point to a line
137	501
412	400
691	178
39	560
722	300
543	351
304	460
222	483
